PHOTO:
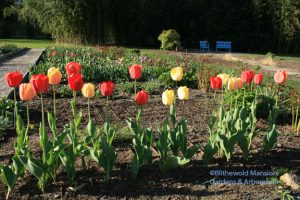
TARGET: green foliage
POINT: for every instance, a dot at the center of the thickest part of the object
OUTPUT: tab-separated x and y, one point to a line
267	25
235	126
6	48
142	140
265	101
189	78
6	114
151	87
170	39
102	150
98	64
270	138
175	140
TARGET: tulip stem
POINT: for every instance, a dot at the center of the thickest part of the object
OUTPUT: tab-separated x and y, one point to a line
167	114
89	109
42	104
175	95
244	97
16	107
183	108
74	104
44	138
134	88
222	97
54	102
107	114
28	119
277	99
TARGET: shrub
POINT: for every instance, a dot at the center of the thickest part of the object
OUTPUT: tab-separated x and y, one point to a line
6	114
204	72
170	39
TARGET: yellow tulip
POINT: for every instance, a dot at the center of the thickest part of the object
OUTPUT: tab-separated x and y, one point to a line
177	73
168	97
54	76
231	83
183	93
88	90
225	78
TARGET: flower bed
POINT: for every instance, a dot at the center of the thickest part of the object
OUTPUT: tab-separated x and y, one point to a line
179	135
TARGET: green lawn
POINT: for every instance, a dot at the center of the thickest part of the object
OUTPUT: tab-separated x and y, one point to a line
30	43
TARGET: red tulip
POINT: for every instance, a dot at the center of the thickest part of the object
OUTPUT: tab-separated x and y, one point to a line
258	79
40	83
106	88
135	71
54	53
13	79
73	67
141	98
247	76
280	77
215	83
75	82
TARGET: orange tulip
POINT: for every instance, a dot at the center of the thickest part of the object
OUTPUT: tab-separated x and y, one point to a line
239	83
235	83
54	76
26	92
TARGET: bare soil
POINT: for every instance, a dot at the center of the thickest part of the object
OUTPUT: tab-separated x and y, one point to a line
189	182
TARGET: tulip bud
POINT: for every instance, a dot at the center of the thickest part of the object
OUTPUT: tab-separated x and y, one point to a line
168	97
135	71
141	98
26	92
73	68
75	82
54	76
88	90
247	76
106	88
239	83
231	82
13	79
225	78
183	93
235	83
177	73
215	83
258	79
40	83
280	77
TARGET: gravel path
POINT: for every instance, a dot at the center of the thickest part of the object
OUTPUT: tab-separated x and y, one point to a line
20	63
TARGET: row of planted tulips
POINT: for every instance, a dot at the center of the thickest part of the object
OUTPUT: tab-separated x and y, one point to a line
231	125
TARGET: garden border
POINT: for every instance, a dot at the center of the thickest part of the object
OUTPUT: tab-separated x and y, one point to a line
26	75
13	54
